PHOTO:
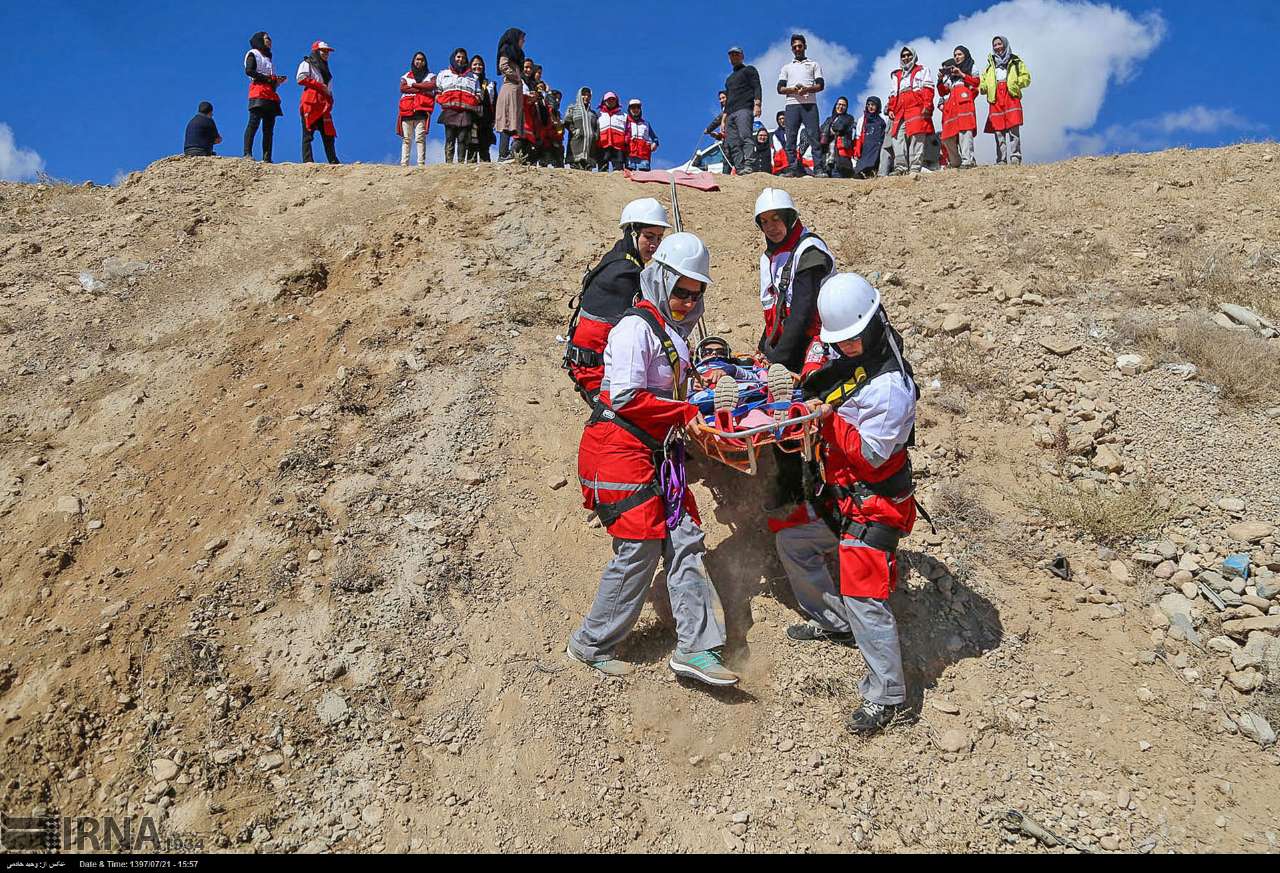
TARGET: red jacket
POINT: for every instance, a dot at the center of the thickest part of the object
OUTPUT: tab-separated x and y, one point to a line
911	101
613	464
958	113
316	104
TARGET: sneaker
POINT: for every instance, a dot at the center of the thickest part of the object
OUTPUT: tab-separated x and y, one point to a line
811	631
608	666
703	666
871	718
781	386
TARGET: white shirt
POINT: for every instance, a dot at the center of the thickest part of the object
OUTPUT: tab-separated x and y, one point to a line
1002	73
634	361
884	412
806	72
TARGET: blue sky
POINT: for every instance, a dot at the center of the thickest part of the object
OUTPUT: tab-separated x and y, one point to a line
93	90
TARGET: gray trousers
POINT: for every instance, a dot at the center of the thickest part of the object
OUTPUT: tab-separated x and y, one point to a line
804	551
738	137
625	584
1009	145
960	150
908	152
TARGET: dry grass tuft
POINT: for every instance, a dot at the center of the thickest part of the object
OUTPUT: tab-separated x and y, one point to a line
1245	368
1105	516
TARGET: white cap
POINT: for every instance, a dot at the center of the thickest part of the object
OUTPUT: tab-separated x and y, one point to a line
646	212
321	46
685	254
773	199
634	101
846	304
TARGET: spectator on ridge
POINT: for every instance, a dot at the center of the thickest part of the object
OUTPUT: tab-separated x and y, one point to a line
458	93
509	114
742	101
202	134
417	100
580	124
800	81
481	138
1003	82
264	102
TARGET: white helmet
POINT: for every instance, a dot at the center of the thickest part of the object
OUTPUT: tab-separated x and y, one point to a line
772	199
646	212
846	305
685	254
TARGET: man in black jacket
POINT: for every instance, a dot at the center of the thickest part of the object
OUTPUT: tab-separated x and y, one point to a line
741	105
202	134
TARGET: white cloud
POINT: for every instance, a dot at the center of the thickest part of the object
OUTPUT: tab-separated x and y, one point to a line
1161	131
837	62
16	163
1074	50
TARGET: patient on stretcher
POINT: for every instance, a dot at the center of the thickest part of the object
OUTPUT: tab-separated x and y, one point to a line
736	394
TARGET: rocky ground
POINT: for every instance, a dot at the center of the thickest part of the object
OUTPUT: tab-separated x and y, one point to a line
290	543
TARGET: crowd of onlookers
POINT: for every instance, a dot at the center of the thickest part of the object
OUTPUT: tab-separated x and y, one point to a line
521	114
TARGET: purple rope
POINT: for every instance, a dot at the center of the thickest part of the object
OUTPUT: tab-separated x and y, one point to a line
671	479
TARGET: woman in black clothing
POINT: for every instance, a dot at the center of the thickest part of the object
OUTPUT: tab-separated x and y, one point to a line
482	138
837	141
264	102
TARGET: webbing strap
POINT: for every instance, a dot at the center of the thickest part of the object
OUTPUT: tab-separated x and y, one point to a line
600	412
668	347
611	512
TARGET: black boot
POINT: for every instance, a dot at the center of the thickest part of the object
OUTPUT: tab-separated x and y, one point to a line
871	718
811	631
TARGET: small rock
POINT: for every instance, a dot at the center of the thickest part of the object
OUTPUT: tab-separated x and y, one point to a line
944	706
69	505
1245	681
1108	459
954	740
215	545
335	669
1256	728
271	761
163	770
314	556
332	708
1119	572
786	745
555	483
1059	345
1132	365
954	324
1231	504
1248	531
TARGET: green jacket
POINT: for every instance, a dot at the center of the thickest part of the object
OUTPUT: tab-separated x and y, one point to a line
1019	78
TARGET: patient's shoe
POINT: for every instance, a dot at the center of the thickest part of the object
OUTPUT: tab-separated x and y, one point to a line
781	386
726	400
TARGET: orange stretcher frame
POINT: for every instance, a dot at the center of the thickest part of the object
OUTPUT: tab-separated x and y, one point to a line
741	449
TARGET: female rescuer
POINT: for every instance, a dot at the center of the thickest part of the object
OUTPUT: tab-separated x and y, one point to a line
650	514
608	290
793	267
865	501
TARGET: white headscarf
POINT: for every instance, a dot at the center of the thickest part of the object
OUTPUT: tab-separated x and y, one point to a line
656	282
1002	60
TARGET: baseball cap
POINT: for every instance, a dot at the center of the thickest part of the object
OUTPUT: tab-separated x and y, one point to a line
736	49
320	45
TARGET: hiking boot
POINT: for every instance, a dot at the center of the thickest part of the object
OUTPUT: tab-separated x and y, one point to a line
871	718
726	394
607	666
811	631
703	666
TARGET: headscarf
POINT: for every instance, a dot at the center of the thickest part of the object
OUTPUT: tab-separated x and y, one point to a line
605	99
481	77
582	92
965	66
259	41
656	282
453	61
509	47
1002	60
876	100
907	65
321	65
419	75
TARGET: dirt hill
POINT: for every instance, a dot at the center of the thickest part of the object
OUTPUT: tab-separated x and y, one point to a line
290	538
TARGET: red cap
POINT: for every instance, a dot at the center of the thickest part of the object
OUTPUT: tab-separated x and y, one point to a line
321	45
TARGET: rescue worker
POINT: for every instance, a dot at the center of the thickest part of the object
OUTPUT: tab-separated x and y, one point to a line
957	90
264	101
417	100
639	141
641	401
1003	82
838	133
793	267
864	504
608	290
316	105
580	123
911	111
869	141
611	123
458	94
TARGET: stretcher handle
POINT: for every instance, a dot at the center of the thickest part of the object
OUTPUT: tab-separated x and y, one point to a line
764	428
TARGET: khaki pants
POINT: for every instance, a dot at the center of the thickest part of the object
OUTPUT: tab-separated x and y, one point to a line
960	150
413	130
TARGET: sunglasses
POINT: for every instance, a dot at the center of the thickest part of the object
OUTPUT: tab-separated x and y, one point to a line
685	294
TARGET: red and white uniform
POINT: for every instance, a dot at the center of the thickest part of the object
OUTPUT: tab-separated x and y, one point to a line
639	141
958	113
639	385
613	128
457	90
416	97
911	101
261	90
772	268
316	104
866	441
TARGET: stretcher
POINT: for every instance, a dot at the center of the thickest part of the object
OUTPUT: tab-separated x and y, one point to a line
717	437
